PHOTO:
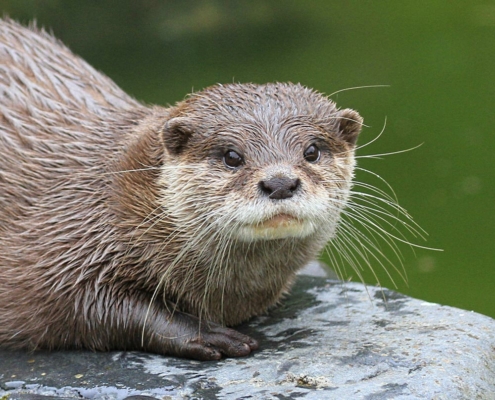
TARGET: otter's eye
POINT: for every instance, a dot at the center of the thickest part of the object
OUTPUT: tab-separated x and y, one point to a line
312	154
232	159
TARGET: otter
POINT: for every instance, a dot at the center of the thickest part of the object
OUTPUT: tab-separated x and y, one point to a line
133	227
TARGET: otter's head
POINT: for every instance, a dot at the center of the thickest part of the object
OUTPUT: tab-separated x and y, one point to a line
258	163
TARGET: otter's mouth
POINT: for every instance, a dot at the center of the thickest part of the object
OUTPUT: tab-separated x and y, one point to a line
279	226
278	221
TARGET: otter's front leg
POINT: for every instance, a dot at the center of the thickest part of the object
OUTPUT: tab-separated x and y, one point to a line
133	322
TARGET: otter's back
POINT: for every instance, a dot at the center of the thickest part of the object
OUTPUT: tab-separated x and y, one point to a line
37	72
59	118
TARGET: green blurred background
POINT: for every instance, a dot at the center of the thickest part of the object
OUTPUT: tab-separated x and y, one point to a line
437	56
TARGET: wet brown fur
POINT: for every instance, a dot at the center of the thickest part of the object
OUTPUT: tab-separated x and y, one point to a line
119	220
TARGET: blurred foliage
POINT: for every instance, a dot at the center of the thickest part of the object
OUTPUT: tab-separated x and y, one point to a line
436	56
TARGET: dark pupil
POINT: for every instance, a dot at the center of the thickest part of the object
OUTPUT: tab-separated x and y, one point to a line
232	159
312	153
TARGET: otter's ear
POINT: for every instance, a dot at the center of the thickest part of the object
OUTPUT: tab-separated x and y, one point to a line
176	134
350	123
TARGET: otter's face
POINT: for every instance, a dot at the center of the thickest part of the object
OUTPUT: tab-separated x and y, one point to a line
260	162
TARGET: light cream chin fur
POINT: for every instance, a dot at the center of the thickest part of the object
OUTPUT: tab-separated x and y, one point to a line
290	229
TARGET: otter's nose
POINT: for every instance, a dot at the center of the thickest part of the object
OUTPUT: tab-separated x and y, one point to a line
280	188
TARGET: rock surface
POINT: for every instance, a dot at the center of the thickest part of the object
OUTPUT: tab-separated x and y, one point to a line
328	340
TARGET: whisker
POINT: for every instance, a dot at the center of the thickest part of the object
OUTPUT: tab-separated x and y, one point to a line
375	138
357	87
391	153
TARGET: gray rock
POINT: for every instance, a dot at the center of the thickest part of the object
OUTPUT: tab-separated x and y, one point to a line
328	340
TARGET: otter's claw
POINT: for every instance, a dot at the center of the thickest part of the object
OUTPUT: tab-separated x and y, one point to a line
215	341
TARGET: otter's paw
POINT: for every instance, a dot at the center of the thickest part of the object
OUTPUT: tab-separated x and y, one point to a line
215	341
